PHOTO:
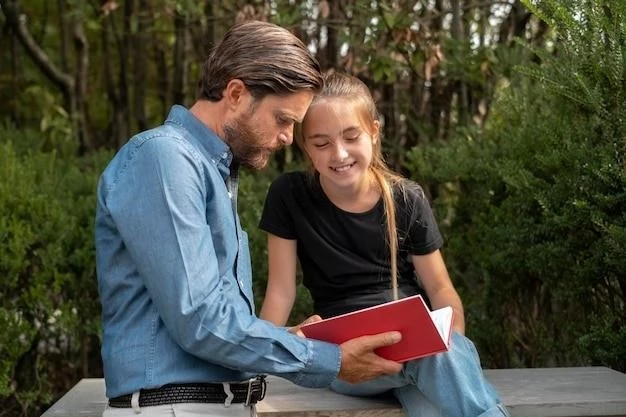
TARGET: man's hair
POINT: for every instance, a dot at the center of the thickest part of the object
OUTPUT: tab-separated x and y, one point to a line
267	58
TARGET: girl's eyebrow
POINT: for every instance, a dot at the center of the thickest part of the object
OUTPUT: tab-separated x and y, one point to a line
351	129
318	136
326	136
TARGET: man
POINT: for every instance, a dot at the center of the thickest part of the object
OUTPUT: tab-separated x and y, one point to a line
174	275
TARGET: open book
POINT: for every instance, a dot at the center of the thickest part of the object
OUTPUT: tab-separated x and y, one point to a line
424	332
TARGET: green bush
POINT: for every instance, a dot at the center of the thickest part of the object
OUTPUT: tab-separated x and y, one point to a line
533	207
252	190
48	296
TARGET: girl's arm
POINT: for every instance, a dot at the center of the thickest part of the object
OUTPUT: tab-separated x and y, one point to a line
280	293
436	282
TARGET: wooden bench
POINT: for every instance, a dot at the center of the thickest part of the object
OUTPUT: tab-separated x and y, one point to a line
539	392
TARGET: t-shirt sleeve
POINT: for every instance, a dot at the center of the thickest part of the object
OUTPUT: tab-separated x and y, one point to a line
277	217
423	235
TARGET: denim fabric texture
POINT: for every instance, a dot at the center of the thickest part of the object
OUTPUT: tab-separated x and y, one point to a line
449	384
174	272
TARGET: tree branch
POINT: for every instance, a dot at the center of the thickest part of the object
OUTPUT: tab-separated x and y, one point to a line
17	23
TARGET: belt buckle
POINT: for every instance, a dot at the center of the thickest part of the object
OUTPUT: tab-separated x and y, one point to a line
251	381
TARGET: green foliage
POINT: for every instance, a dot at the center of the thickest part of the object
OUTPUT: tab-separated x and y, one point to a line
55	124
47	263
252	190
533	208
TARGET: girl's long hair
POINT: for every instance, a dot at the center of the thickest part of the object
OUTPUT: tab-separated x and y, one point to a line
337	85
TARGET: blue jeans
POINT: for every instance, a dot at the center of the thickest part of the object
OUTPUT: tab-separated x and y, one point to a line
448	384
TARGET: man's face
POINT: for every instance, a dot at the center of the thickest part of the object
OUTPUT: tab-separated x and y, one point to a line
265	126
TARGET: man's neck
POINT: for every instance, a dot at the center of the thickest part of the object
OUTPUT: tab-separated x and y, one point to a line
211	114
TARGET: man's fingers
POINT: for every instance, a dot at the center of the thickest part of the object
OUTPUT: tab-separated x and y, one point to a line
359	361
382	339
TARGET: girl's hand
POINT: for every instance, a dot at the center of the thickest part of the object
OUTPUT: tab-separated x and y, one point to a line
296	329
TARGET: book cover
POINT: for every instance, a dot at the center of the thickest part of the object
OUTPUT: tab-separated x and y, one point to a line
424	332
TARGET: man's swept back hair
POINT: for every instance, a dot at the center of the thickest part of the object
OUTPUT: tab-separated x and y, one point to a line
267	58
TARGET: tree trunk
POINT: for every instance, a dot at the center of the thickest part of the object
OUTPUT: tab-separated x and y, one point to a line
15	77
179	81
115	130
17	23
64	38
458	37
82	66
73	93
140	74
163	78
124	71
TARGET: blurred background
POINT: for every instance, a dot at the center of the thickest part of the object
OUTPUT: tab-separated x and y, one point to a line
511	114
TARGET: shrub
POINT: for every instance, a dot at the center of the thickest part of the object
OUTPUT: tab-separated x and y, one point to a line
252	190
48	292
533	206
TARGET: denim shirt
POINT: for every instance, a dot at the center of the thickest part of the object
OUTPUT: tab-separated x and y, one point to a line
174	272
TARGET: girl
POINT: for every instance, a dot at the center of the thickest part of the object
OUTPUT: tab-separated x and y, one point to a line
364	236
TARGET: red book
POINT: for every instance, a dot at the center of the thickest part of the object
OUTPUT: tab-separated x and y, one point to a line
424	332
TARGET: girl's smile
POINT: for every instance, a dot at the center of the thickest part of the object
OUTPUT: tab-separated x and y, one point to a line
343	168
338	145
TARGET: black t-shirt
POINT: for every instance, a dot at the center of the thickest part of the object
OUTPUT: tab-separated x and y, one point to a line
344	256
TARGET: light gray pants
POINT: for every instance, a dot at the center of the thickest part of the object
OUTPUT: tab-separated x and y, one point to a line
183	410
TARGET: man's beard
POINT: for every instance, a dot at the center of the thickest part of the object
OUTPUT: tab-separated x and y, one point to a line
243	140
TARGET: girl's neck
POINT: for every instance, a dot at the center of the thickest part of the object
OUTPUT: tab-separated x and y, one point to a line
356	199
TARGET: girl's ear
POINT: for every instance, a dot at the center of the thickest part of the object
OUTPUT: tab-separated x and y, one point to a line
376	133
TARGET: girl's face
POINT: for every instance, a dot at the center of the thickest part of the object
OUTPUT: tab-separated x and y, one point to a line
337	143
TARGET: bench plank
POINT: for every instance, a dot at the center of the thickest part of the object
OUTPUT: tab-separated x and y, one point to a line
537	392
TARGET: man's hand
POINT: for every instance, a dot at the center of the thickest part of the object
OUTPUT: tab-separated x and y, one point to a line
359	363
296	329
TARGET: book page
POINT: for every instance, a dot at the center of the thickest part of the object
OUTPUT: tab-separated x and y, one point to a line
443	322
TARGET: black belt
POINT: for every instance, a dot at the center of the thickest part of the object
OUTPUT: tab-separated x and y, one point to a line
249	392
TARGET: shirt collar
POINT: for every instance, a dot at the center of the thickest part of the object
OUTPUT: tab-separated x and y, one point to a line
201	134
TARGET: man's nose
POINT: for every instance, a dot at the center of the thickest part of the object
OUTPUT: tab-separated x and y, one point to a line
286	138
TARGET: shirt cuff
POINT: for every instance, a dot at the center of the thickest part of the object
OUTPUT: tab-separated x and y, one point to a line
322	366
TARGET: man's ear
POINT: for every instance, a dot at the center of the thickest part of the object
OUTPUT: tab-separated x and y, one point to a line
235	93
